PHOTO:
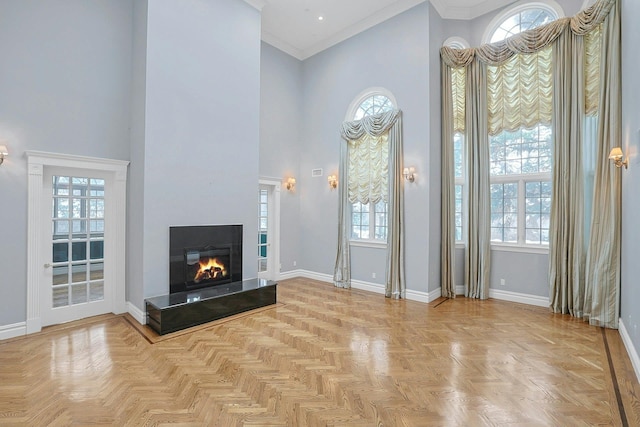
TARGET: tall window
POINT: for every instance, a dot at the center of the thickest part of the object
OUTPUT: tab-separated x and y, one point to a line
369	220
521	161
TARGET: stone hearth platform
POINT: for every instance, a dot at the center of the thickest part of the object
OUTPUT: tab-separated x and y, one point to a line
181	310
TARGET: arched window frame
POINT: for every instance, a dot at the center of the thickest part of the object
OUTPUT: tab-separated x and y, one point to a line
548	5
456	42
372	210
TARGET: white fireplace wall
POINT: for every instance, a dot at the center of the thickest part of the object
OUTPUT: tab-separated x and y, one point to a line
197	91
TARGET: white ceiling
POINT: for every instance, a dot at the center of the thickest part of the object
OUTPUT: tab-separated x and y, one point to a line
293	25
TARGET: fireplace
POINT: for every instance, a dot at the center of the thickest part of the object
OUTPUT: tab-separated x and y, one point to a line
204	256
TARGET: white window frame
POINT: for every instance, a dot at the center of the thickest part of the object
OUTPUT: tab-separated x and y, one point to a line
548	5
349	116
521	179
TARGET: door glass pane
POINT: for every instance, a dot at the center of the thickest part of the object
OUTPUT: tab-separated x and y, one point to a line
60	296
263	232
77	240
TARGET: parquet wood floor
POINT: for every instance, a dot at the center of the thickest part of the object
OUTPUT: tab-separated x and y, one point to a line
327	357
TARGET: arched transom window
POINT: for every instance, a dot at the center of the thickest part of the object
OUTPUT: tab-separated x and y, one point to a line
522	18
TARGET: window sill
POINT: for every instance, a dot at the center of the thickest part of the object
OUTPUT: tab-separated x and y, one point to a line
512	248
368	244
531	249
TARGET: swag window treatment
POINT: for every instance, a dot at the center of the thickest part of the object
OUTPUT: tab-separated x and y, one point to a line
566	73
370	167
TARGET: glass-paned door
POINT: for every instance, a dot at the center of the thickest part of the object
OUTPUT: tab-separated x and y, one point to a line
263	231
76	227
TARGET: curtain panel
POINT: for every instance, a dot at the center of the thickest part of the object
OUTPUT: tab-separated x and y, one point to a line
577	74
380	132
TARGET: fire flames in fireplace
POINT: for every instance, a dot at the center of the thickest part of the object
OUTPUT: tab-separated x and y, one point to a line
210	269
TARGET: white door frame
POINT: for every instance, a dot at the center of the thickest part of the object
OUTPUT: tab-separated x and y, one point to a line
274	226
37	161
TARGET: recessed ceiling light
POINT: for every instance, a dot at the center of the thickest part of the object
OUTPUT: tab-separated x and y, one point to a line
320	18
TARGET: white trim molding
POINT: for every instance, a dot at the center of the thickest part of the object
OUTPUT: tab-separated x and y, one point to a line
519	298
136	313
628	344
13	330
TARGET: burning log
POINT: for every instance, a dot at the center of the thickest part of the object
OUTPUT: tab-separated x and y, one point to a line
210	269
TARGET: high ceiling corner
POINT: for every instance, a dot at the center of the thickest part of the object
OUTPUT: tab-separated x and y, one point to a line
303	28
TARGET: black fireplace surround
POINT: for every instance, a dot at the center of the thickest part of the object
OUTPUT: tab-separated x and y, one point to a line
205	273
193	246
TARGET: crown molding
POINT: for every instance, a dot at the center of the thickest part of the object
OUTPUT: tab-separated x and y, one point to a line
258	4
448	11
358	27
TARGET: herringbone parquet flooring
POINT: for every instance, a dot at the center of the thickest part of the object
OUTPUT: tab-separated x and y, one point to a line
327	357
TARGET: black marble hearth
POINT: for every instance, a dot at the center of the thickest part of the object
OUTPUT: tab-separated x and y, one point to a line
181	310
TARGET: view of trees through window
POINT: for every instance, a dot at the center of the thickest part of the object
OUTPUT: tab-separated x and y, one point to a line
521	185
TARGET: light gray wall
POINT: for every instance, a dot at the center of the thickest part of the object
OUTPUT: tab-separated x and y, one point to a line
630	291
280	134
65	81
201	128
135	191
393	55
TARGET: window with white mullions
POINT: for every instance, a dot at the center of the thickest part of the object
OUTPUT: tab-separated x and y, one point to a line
521	186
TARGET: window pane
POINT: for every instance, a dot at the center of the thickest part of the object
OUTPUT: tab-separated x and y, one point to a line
538	208
458	147
504	212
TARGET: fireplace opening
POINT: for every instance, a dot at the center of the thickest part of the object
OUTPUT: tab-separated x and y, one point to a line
207	265
204	256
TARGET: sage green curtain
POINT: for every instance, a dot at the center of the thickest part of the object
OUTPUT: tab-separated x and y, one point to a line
342	271
566	230
478	242
395	283
584	255
448	196
603	257
389	123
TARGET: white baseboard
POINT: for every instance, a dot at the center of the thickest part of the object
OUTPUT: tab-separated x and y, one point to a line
136	313
518	297
628	344
362	285
13	330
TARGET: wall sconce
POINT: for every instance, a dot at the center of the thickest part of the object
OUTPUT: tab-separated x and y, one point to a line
616	155
333	181
409	174
3	153
291	183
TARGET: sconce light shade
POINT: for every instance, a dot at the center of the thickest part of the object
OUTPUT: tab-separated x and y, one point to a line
3	153
333	181
291	183
409	174
616	156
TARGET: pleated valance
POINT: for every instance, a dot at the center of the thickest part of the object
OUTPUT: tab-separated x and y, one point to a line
529	41
519	74
372	125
